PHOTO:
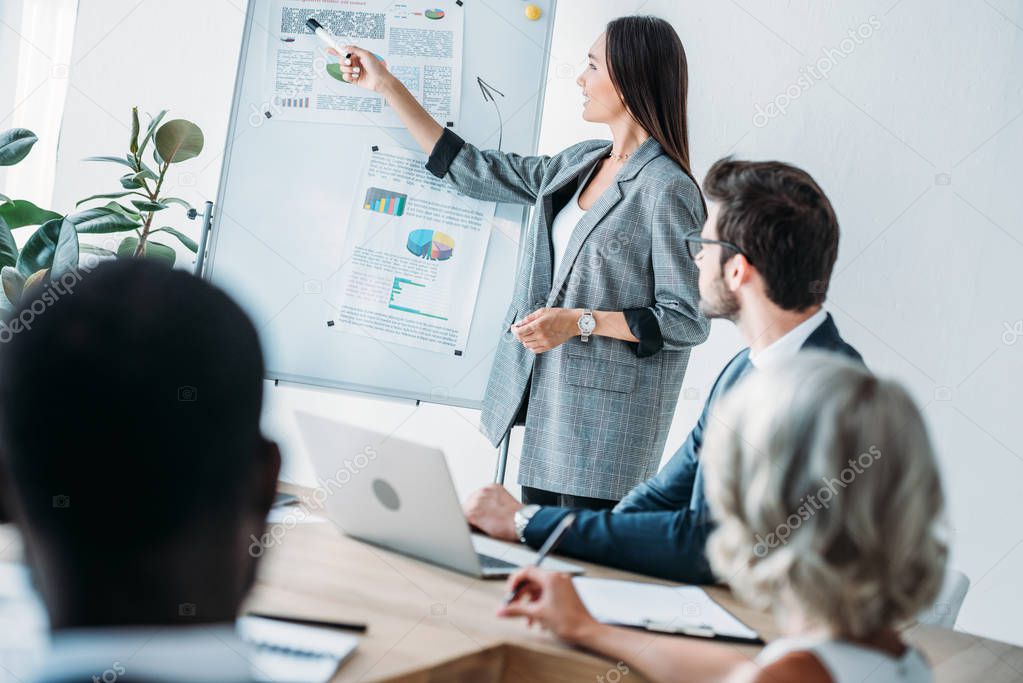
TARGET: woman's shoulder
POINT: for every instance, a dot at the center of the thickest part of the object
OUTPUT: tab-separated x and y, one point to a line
670	173
794	667
573	155
584	148
672	186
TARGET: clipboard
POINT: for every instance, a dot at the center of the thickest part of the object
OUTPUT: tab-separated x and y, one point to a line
676	610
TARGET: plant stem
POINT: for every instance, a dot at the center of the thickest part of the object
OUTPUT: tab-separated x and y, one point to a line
153	197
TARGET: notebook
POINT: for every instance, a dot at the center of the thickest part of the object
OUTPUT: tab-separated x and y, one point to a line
292	652
682	610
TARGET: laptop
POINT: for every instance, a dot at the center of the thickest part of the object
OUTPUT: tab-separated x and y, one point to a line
399	495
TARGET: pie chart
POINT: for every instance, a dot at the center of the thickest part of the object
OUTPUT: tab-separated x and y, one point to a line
434	14
431	245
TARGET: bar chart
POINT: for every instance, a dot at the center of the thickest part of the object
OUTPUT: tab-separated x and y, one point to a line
415	297
292	102
385	201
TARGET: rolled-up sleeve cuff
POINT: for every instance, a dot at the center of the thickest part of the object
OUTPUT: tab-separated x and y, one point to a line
444	152
644	327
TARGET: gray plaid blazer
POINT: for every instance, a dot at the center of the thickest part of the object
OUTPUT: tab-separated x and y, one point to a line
598	415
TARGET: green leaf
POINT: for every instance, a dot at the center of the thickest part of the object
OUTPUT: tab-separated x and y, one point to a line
146	167
175	200
126	249
129	182
183	238
112	195
179	140
36	277
115	160
160	252
148	206
123	210
8	248
134	144
102	220
37	254
13	284
150	130
87	248
22	212
145	174
15	144
65	256
152	250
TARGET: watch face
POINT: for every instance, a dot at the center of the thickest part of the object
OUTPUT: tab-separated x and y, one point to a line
587	324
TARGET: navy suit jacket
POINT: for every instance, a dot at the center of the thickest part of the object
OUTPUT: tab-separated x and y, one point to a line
661	527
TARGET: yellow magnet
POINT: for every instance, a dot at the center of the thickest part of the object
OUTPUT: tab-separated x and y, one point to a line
533	12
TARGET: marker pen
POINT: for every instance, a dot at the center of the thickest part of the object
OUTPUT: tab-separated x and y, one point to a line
325	37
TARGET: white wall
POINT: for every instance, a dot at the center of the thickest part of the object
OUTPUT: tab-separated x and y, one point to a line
915	134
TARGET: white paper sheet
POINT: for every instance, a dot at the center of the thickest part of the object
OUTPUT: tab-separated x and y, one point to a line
420	44
630	603
294	652
413	257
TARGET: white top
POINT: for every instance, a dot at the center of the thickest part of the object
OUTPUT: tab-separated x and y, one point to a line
565	223
849	663
201	653
788	346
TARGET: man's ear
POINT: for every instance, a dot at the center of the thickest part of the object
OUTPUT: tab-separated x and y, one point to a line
745	272
269	469
736	272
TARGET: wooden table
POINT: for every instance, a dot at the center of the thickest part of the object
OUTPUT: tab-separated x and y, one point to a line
427	623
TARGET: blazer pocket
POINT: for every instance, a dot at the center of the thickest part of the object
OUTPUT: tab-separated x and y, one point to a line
588	367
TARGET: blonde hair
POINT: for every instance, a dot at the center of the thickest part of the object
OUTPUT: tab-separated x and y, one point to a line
827	495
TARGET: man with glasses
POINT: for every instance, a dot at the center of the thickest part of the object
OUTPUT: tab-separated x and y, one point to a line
765	258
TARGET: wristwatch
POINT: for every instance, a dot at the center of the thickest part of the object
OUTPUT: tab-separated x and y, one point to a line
522	517
587	323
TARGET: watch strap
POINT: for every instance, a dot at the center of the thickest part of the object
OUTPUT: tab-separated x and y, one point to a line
522	517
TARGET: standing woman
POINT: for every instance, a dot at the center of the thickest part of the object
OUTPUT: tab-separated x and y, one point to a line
605	304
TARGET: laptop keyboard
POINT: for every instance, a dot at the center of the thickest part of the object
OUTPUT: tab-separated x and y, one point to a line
488	562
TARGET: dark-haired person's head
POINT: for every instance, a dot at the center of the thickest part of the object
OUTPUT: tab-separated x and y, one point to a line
771	239
637	71
130	449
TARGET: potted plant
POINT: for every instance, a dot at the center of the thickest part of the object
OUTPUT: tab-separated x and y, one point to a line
54	247
142	189
50	251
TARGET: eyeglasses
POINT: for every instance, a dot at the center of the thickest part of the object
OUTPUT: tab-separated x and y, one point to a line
695	246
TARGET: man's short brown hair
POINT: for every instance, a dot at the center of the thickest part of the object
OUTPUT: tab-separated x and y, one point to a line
784	224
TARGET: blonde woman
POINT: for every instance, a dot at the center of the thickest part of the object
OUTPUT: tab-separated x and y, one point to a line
825	488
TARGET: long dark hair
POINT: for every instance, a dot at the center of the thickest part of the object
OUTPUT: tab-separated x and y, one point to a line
648	68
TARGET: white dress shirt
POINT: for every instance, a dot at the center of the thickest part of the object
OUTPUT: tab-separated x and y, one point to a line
788	345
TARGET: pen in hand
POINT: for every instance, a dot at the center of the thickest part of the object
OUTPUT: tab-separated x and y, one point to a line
547	548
